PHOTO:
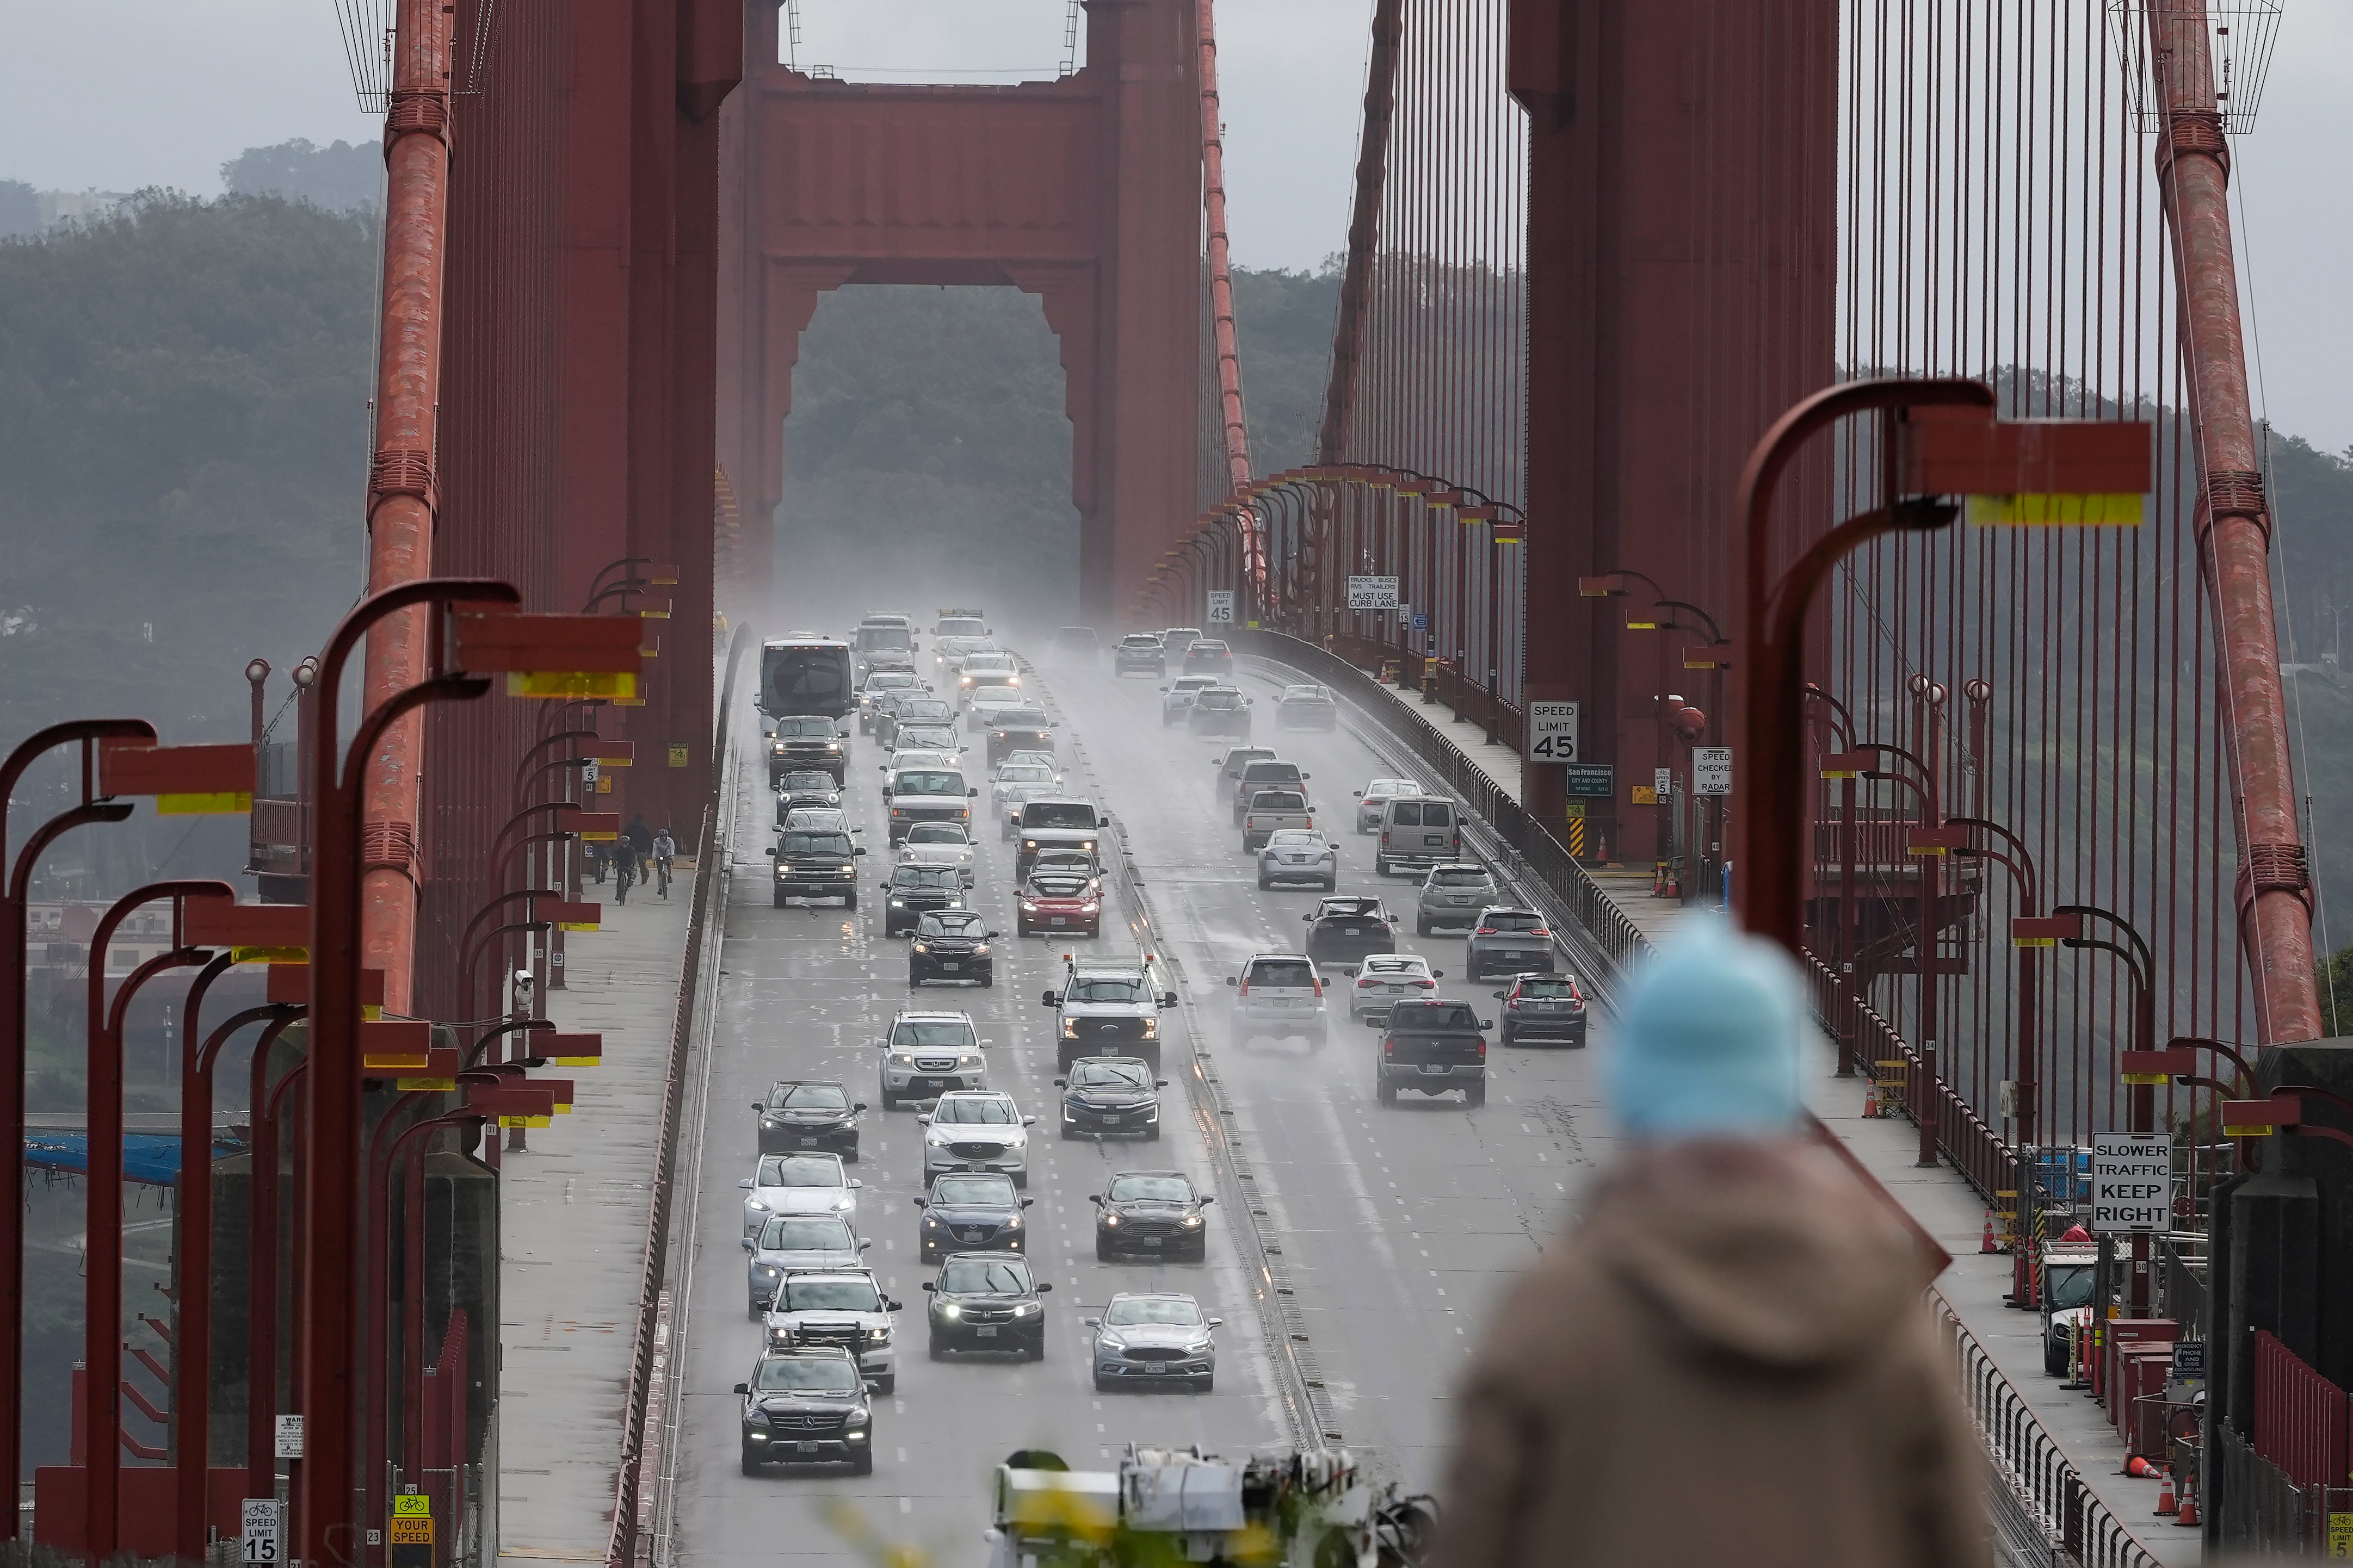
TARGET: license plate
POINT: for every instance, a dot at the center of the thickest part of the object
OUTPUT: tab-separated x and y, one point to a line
922	1083
987	1332
808	1142
1154	1368
1149	1241
1110	1115
1429	841
1354	930
951	967
805	1448
1058	920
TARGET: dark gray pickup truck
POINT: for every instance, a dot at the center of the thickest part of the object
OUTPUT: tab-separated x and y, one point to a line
1433	1048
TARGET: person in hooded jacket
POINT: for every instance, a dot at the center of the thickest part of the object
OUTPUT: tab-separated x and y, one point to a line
1728	1361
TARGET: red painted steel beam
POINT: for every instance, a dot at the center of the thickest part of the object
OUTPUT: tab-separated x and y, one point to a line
1364	232
2275	889
403	496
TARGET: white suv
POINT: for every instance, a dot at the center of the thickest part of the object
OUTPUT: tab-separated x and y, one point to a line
976	1131
1279	995
930	1054
840	1307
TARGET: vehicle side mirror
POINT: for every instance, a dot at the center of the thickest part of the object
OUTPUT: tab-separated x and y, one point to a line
1095	1198
864	1243
1486	1023
924	1119
1051	999
857	850
745	1183
1308	918
856	1183
970	793
1160	1083
1305	777
772	852
1233	980
921	1203
749	1246
1358	793
1163	689
1027	1202
1207	1202
762	1105
1061	1083
890	1305
1092	1322
882	1045
928	1285
1029	1121
1499	995
1169	998
857	1105
991	936
743	1389
1042	1289
1217	1322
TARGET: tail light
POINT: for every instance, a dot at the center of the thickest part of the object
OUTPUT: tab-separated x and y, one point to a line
1365	980
1575	995
1389	1047
1249	822
1427	984
1318	984
1311	821
1245	988
1385	837
1540	931
1484	931
1482	1050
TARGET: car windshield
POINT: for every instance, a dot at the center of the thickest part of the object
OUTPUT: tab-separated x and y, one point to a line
808	729
1150	1189
1113	1075
924	708
2070	1286
1023	719
933	1033
979	1191
1152	1310
883	638
1058	887
990	1112
1347	909
1106	988
809	779
928	781
951	922
1063	863
1242	757
926	876
1139	640
1405	813
1299	836
1512	920
813	1097
891	680
1381	788
1206	650
933	737
794	844
806	1375
1262	775
1219	702
1278	800
1396	964
814	1233
1457	877
1548	987
985	1276
829	1296
937	833
800	1170
960	626
1433	1017
1058	814
1283	972
1025	773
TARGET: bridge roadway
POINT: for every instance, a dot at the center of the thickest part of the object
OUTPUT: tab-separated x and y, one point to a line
1395	1228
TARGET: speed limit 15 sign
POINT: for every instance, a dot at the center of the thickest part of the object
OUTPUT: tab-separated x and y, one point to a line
1552	732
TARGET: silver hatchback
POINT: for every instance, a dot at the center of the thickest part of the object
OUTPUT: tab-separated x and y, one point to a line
1453	894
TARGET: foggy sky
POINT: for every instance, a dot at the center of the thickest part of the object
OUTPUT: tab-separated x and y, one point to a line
114	96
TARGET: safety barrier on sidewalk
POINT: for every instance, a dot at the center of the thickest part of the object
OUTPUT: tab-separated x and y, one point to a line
2040	1494
1619	940
634	1494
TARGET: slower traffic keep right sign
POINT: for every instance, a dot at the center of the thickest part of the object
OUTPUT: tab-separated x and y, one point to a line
2131	1182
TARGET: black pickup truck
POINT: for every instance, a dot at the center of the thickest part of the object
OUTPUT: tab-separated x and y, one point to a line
1433	1048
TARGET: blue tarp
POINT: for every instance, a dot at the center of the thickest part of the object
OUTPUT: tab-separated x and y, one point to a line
152	1159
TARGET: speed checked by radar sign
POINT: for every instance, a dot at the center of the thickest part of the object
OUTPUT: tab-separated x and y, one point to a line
1552	732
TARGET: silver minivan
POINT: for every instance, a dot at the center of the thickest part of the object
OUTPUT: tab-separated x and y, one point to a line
1417	832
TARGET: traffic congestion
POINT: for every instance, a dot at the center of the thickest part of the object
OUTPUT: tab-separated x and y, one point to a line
1098	1091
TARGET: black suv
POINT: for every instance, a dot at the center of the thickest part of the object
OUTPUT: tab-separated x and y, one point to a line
987	1301
1209	657
1158	1211
1543	1007
808	1113
1110	1097
1139	650
1433	1048
917	890
971	1209
951	945
807	1407
1021	729
805	740
1345	931
816	865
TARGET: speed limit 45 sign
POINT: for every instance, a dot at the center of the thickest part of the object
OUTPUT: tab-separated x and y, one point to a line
1552	732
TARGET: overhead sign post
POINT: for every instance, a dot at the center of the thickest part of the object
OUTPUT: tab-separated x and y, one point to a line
1711	770
2131	1182
1553	732
1221	607
1372	592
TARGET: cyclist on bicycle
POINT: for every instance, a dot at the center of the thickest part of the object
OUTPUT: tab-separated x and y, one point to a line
625	871
665	851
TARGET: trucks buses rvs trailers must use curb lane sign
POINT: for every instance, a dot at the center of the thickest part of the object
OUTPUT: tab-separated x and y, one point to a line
2131	1182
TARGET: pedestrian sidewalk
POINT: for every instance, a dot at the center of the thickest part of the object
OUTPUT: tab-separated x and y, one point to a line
573	1208
1937	1196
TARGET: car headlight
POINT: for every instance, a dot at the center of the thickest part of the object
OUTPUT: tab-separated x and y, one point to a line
1090	906
849	870
920	947
1088	845
1191	1220
1028	906
979	948
1200	1347
1151	1028
778	748
783	872
930	1223
1028	844
833	746
968	1059
756	1205
844	1203
902	1058
877	1336
1013	1223
770	1121
898	903
1112	1220
767	1270
950	1309
1070	1028
935	1139
1111	1342
1023	1308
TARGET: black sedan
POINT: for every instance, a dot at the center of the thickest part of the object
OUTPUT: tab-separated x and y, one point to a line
806	786
1345	931
1110	1097
802	1113
952	944
987	1301
968	1209
1543	1007
1158	1211
1019	730
916	891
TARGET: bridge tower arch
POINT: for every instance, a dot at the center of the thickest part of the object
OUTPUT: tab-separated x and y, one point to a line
1085	190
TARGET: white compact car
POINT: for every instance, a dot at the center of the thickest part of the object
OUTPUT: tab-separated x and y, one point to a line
977	1129
939	844
798	1183
1278	996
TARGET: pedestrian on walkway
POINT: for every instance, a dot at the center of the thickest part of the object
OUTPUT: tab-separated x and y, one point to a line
1726	1360
640	841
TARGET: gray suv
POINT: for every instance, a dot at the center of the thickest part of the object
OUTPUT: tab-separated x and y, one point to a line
1508	941
1453	894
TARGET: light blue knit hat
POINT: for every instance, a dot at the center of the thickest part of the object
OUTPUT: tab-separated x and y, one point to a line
1709	1040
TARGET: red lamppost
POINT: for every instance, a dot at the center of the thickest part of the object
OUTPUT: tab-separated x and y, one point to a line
545	656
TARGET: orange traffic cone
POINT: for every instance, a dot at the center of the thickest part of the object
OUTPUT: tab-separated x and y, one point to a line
1871	1102
2139	1469
2165	1501
1987	1243
2189	1514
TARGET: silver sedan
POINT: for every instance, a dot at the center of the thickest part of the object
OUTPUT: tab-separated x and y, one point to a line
1155	1340
1298	855
1376	794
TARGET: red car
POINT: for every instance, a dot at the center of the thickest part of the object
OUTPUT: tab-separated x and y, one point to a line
1059	902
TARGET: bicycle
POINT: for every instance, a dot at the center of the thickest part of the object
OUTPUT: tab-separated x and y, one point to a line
624	873
661	871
